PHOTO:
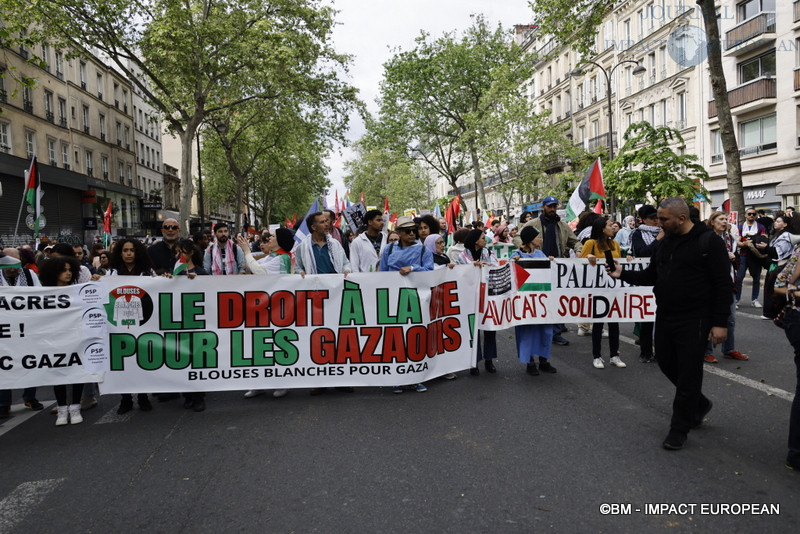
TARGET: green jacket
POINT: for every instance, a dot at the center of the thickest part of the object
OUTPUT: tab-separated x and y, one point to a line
566	237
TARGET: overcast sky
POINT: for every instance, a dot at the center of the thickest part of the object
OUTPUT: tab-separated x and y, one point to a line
370	30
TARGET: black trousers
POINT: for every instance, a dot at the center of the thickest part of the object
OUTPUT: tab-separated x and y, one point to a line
680	344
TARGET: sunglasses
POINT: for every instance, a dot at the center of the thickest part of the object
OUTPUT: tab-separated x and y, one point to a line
170	227
751	213
408	230
266	236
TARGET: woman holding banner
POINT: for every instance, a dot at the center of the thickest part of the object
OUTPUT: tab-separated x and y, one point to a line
60	272
601	240
130	258
533	339
476	253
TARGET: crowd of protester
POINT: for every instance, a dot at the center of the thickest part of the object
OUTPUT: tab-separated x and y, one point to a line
422	243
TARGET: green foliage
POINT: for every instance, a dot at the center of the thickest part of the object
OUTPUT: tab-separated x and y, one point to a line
433	98
574	22
381	173
195	59
648	166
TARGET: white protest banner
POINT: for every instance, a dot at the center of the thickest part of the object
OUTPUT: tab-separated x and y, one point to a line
285	331
51	335
563	290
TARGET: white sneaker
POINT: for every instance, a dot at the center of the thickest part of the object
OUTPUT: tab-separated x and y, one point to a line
63	416
75	416
278	393
615	361
583	332
605	334
737	304
756	304
253	393
598	363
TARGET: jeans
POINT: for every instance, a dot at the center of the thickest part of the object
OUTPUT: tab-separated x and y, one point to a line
28	395
680	344
753	265
597	339
792	321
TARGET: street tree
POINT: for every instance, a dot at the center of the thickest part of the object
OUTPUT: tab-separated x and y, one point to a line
520	145
270	160
382	173
194	59
432	97
575	24
647	166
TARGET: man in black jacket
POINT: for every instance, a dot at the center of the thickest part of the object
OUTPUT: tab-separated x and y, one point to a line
690	273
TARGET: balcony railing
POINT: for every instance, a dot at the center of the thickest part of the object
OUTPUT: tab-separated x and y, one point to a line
758	149
50	116
600	141
750	92
66	166
63	122
89	171
758	25
3	96
86	129
28	106
83	85
60	75
102	137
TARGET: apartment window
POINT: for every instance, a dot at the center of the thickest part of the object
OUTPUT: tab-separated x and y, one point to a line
82	73
3	93
130	175
51	151
104	166
662	60
651	67
757	67
649	16
681	98
116	94
86	119
22	51
716	147
27	95
89	163
46	56
609	34
121	171
5	137
65	155
102	127
595	128
59	65
125	100
751	8
628	120
626	33
582	133
651	115
758	135
62	112
127	138
640	14
664	113
30	143
99	86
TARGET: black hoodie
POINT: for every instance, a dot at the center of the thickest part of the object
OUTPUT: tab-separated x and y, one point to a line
691	276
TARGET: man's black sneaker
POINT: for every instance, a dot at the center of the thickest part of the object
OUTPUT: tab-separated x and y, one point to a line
531	369
545	367
5	411
559	340
674	440
702	414
644	358
34	405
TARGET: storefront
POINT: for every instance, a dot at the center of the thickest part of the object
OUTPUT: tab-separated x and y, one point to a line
61	203
760	197
125	215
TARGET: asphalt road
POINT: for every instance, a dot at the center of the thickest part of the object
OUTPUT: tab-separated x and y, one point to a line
494	453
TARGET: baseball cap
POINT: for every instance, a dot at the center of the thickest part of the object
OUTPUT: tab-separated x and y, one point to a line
549	200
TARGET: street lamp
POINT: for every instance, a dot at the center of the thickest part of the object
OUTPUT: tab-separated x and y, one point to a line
638	71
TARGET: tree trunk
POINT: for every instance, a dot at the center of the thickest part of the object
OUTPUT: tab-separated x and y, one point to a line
720	89
476	172
187	184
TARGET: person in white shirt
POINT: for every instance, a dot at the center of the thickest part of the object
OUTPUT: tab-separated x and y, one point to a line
367	247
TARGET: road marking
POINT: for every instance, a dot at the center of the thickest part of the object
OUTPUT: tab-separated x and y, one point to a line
22	413
111	416
749	382
23	500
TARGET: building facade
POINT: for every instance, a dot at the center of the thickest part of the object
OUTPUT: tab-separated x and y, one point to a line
75	116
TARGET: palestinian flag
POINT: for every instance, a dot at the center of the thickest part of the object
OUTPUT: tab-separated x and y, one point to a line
532	275
590	188
33	193
180	266
7	262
